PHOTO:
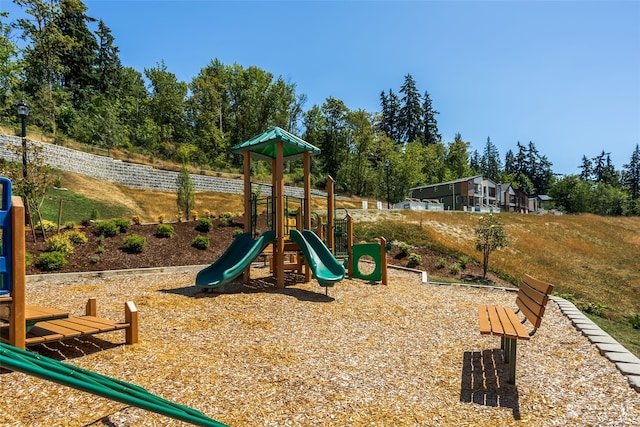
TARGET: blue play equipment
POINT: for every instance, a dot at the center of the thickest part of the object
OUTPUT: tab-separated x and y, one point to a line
326	269
5	243
238	256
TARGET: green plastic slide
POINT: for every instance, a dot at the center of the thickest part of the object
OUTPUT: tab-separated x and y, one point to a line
91	382
326	269
238	256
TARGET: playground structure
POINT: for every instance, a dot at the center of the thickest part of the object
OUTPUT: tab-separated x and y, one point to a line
29	325
275	145
291	225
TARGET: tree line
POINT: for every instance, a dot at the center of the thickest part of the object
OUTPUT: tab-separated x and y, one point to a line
66	66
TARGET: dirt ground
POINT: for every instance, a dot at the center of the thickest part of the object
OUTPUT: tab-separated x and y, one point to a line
108	253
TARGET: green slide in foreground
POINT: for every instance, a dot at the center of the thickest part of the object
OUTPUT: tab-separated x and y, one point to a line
238	256
325	267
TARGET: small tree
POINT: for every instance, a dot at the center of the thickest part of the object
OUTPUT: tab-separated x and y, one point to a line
186	192
490	235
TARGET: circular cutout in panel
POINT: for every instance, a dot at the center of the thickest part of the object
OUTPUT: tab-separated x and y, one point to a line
366	265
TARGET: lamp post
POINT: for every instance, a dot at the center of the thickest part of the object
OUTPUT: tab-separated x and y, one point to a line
23	112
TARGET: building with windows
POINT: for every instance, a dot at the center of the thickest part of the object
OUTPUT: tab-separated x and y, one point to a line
471	194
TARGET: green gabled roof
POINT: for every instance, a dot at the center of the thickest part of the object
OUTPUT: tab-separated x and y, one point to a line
263	146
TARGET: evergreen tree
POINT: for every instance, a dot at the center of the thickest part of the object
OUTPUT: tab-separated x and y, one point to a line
632	174
490	162
390	117
9	70
510	163
411	113
79	58
431	135
457	159
475	163
586	169
333	143
108	65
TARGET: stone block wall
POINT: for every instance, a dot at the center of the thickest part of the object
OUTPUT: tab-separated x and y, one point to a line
129	174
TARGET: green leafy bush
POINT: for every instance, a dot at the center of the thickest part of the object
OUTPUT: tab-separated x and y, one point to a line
134	244
48	225
404	247
226	219
59	243
100	249
122	223
463	260
455	268
49	261
76	237
94	259
594	308
201	242
414	259
204	225
442	263
70	225
635	321
164	230
237	232
106	228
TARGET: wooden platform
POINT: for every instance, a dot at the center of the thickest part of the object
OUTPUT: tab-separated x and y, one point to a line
47	324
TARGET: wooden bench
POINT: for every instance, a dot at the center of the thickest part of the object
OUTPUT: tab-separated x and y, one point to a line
531	301
45	325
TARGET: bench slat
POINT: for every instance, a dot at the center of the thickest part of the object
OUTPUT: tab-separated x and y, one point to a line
100	325
519	331
483	317
51	328
538	285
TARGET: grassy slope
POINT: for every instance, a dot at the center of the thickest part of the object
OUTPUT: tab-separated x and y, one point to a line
590	259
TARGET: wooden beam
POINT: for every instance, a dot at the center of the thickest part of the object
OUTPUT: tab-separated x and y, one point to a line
18	324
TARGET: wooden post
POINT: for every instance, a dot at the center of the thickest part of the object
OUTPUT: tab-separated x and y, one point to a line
330	214
278	185
306	164
91	308
349	246
247	205
131	317
383	260
18	324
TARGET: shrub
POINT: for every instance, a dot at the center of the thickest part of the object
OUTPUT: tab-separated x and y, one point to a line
204	225
226	219
123	224
200	242
136	220
106	228
164	230
76	237
59	243
94	259
179	216
194	214
237	232
455	268
100	249
94	214
463	260
28	259
404	247
206	213
635	321
50	261
442	263
161	218
134	244
414	259
594	308
70	225
48	225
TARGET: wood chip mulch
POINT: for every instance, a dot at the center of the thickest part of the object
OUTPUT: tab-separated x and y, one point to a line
407	354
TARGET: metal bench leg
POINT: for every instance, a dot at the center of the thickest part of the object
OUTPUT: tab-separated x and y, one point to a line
510	354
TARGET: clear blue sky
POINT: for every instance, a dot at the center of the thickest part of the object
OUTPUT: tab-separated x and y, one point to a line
562	74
